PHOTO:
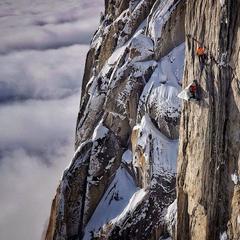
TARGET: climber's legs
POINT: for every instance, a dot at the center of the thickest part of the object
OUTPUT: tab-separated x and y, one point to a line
202	60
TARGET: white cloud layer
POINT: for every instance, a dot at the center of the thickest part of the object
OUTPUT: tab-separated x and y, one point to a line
43	45
28	186
37	144
37	126
42	74
44	24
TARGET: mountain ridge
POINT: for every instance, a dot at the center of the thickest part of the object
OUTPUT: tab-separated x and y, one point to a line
128	127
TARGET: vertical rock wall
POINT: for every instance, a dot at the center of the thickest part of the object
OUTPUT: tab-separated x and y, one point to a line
208	162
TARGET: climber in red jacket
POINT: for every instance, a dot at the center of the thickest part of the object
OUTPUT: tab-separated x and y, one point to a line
193	90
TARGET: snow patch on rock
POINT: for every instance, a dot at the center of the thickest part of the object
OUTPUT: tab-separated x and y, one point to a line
133	203
223	236
143	45
159	18
235	178
171	216
113	203
164	150
164	85
127	156
99	132
222	2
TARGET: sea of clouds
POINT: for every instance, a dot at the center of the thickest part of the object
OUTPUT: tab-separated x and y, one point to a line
43	46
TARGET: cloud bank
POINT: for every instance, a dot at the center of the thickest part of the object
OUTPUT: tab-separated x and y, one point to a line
43	46
50	74
36	145
28	185
47	24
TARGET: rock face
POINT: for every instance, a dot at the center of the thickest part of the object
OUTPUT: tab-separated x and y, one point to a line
122	179
209	163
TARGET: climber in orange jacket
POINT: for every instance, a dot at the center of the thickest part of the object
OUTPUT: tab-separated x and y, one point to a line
201	52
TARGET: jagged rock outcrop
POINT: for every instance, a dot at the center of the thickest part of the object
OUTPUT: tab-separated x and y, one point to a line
208	163
127	89
121	181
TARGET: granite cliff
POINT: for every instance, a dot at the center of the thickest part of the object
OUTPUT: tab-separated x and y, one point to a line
124	181
209	160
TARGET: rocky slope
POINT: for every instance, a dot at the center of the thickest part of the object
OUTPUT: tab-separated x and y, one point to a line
121	181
